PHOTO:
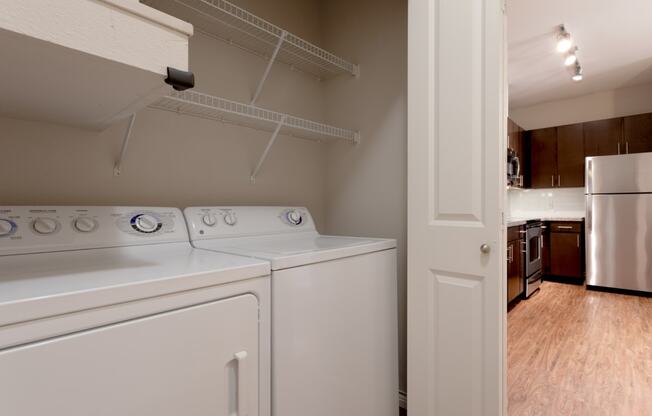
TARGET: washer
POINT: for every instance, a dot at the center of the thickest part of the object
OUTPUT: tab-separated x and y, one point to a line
334	308
110	311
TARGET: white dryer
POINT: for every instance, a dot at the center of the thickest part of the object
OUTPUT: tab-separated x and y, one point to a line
109	311
334	308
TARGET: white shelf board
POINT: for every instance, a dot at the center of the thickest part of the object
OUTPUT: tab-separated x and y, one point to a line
201	105
85	63
234	24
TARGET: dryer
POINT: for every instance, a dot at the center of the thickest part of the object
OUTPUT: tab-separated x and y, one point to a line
334	308
110	311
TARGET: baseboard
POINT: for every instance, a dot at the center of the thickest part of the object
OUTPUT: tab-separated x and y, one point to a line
402	399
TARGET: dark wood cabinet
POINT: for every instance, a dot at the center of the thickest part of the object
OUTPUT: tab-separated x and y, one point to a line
566	250
637	133
515	272
570	156
603	137
543	157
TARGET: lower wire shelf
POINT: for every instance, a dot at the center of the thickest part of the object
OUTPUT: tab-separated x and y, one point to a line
201	105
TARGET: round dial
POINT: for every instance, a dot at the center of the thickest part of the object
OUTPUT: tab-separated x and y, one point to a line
7	227
230	218
85	224
209	219
146	223
45	225
294	217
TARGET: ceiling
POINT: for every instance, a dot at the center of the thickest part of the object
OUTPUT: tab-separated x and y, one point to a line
614	40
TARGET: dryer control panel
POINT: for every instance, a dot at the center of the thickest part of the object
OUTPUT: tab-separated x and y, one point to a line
25	229
234	221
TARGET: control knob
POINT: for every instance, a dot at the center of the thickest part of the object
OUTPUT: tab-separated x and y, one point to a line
85	224
7	227
45	225
146	223
209	219
294	217
230	218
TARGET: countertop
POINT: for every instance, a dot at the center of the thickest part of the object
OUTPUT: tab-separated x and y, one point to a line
514	222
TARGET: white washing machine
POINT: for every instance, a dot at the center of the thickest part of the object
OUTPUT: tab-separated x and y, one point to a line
109	311
334	308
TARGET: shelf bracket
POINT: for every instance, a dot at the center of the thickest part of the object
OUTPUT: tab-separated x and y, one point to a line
117	168
261	83
277	130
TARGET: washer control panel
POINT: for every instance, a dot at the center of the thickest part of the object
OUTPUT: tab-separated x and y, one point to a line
25	229
234	221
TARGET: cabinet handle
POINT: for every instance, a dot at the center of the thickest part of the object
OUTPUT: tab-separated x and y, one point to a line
559	180
627	147
541	240
521	180
565	227
578	241
510	254
241	358
552	179
618	147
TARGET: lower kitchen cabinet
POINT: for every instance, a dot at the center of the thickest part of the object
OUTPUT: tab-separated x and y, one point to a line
566	250
515	278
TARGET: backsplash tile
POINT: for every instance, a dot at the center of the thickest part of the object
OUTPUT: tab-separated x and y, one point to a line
566	202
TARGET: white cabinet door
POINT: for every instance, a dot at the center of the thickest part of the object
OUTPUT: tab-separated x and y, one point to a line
200	360
456	246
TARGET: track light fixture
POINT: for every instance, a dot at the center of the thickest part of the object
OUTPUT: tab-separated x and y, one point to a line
564	41
577	75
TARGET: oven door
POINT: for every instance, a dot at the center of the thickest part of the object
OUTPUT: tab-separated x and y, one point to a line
533	246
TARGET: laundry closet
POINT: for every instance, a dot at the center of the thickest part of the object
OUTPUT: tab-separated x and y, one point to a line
295	103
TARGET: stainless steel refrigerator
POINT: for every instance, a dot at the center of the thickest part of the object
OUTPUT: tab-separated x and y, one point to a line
619	221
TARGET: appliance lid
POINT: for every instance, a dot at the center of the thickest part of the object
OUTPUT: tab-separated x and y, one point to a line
292	250
34	286
619	174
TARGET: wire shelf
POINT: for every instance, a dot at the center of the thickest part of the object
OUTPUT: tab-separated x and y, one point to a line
234	24
201	105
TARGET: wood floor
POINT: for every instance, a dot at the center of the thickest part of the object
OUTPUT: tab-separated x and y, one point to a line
581	353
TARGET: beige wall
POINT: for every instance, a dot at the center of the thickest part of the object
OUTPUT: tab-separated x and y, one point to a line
179	160
601	105
367	185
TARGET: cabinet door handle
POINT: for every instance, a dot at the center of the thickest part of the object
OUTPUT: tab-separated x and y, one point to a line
578	241
559	180
241	359
541	240
565	227
552	180
627	147
618	147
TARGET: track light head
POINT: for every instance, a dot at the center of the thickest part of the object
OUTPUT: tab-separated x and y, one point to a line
571	57
564	41
577	75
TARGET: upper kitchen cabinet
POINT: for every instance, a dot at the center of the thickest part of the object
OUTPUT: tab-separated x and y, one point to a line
637	133
603	137
570	156
86	63
557	157
543	157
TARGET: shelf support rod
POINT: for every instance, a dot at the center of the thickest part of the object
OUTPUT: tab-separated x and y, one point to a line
277	130
117	168
261	83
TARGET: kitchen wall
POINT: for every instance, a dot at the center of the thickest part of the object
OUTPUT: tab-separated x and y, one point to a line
367	185
178	160
597	106
559	202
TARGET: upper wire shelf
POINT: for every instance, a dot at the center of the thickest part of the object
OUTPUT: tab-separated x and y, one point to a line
201	105
234	24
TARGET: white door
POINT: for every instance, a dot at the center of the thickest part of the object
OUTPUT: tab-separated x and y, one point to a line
456	283
196	361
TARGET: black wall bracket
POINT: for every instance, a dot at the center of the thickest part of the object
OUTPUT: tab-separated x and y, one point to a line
180	80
